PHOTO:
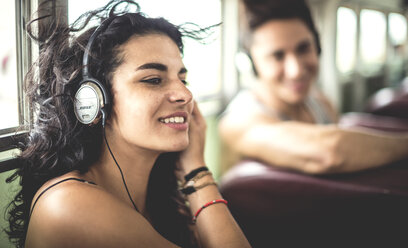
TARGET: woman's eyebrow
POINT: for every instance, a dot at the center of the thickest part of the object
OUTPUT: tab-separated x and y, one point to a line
156	66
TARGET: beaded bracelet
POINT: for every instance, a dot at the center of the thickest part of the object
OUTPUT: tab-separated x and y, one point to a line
207	205
194	172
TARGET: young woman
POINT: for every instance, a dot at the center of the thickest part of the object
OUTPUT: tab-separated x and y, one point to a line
283	120
116	131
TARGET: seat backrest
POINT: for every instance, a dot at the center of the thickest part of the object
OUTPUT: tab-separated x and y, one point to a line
390	101
280	208
373	121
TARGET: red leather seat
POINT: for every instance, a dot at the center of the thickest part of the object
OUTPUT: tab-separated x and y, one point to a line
281	208
373	121
390	101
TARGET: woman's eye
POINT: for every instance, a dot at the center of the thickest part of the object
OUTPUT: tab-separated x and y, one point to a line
152	80
184	82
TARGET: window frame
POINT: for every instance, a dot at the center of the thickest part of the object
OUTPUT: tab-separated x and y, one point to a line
356	42
357	7
11	137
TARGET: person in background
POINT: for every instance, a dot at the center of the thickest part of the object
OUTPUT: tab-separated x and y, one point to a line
114	157
284	120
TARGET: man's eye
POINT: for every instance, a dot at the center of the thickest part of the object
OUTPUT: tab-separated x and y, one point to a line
152	80
304	48
279	56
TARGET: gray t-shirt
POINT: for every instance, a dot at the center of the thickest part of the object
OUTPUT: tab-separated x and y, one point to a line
245	100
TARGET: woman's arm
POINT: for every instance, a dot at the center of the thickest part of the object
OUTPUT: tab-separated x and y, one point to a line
309	148
215	225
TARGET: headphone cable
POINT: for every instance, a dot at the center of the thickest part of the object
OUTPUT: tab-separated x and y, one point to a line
114	159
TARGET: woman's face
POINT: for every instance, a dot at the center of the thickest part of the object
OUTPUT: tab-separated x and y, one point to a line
151	104
285	57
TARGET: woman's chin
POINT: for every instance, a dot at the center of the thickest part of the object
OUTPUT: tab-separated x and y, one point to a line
177	147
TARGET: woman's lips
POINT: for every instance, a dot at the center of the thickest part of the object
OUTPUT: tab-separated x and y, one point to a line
176	121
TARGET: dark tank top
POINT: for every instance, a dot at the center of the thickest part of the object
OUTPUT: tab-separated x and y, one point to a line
55	184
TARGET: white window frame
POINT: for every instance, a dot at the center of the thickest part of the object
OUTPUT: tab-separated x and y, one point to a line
10	137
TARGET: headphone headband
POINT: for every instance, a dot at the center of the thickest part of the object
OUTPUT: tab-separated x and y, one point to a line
85	59
91	98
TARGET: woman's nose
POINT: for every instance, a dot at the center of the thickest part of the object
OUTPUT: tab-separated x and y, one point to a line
179	93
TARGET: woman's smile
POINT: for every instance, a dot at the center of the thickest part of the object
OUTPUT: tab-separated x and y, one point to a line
176	121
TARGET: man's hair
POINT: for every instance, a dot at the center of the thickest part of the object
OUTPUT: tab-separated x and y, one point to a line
258	12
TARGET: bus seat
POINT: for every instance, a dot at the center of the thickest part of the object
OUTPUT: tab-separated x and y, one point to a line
281	208
390	101
373	121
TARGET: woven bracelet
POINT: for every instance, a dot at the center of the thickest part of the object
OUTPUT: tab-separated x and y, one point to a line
191	189
194	172
195	178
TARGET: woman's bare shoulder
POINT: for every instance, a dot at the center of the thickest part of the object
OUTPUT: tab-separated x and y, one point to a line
78	214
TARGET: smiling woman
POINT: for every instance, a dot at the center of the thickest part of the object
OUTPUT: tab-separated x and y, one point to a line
115	124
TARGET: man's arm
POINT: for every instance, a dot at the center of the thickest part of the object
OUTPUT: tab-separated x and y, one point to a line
309	148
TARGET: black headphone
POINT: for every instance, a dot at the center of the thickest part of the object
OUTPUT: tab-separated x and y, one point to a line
91	98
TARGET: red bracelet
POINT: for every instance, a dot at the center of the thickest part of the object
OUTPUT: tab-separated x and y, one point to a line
206	205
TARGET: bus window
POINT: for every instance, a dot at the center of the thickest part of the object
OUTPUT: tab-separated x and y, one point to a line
372	40
397	26
8	68
346	39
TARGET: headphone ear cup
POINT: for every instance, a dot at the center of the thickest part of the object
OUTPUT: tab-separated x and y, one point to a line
253	64
89	101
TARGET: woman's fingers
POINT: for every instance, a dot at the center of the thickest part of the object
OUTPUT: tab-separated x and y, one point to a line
193	155
197	116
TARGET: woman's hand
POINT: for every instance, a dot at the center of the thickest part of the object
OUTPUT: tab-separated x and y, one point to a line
193	156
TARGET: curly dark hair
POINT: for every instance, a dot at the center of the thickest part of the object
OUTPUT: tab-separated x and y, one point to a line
57	143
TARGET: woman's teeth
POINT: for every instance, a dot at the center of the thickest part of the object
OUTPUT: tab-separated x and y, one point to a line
177	119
